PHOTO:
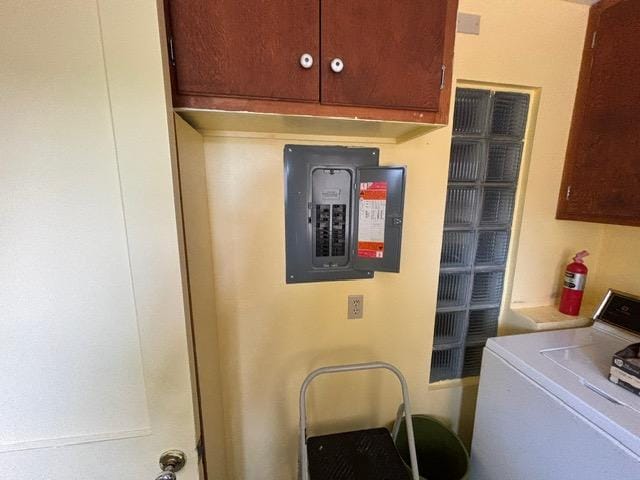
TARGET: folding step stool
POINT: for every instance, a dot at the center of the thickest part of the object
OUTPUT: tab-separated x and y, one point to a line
358	455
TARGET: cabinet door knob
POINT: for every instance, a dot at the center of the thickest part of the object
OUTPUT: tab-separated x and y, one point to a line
337	65
306	60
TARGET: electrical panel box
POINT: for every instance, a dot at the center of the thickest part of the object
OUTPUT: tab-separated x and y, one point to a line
343	213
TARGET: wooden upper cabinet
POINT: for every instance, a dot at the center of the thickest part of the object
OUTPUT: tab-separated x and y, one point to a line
391	52
240	48
244	55
601	181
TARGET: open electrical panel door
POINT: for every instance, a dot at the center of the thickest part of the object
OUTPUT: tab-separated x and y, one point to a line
343	213
379	209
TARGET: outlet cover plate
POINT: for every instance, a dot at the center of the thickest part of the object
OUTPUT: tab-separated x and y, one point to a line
468	23
355	306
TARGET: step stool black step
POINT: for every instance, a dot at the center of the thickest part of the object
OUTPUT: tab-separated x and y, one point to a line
359	455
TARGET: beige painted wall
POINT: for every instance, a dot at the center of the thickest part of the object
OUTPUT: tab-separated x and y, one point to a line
272	334
538	44
199	265
619	261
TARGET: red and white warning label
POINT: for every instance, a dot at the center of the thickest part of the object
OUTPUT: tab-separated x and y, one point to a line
371	219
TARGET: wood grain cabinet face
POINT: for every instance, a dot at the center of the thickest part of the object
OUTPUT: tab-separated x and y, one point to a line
245	48
244	55
392	52
601	181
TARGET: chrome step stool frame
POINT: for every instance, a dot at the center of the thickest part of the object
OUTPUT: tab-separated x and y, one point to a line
405	407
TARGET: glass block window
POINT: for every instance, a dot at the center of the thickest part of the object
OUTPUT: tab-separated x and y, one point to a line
486	152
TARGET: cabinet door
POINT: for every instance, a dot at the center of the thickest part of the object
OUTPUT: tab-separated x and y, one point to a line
391	51
248	48
601	181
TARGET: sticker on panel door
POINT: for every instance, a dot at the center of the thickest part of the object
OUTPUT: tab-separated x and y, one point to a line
371	219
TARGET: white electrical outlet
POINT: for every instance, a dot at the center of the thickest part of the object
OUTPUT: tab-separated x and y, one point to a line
355	306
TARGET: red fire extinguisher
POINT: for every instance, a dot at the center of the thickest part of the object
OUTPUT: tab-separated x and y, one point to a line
575	278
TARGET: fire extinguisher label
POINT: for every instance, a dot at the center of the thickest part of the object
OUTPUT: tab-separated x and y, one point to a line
574	281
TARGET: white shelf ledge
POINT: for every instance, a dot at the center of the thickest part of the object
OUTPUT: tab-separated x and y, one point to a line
547	317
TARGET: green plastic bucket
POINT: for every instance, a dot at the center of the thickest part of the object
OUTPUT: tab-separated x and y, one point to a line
441	454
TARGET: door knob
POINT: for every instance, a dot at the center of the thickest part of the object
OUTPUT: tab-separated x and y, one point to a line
167	476
306	60
171	461
337	65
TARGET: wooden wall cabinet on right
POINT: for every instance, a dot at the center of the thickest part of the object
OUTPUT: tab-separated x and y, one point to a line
601	179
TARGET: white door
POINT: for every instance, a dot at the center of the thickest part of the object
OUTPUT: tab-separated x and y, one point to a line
94	354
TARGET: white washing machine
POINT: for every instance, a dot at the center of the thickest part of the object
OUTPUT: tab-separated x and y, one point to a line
546	409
